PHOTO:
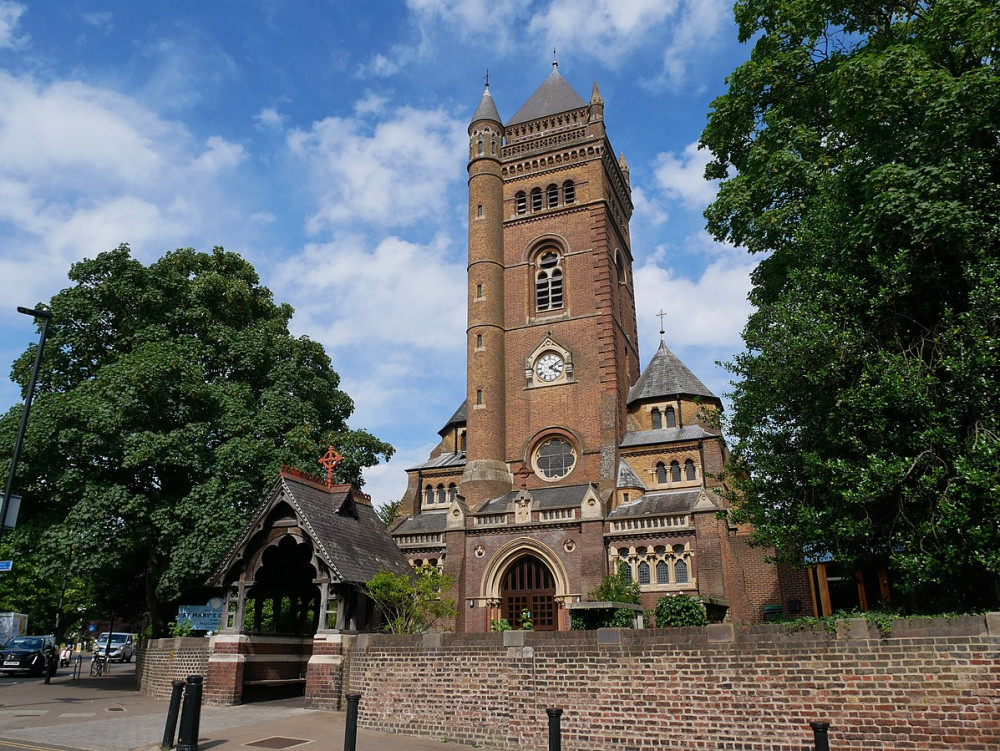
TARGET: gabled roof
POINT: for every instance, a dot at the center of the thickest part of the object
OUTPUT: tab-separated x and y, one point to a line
487	110
666	375
627	478
553	96
345	530
674	502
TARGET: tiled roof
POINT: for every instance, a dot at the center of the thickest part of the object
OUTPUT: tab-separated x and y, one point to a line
486	110
345	530
441	461
350	534
666	375
569	496
627	478
664	435
422	523
459	418
655	504
554	95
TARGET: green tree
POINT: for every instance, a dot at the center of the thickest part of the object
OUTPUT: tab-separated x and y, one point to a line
680	610
859	156
168	397
411	604
387	511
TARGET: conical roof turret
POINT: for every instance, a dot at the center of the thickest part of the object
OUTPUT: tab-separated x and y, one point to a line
666	375
487	110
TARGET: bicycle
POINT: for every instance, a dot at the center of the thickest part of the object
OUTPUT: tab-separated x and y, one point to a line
98	666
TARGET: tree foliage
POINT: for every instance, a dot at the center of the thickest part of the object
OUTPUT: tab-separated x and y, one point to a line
411	604
680	610
168	397
859	152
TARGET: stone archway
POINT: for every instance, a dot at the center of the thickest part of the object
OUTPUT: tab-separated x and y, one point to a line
526	573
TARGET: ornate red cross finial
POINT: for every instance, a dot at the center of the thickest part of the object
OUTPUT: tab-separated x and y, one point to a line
330	460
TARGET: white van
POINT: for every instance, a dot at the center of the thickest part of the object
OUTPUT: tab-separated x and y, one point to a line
122	646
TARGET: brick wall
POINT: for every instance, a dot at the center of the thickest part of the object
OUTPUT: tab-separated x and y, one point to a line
160	661
931	684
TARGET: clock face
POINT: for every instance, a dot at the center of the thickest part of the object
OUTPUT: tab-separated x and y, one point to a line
549	367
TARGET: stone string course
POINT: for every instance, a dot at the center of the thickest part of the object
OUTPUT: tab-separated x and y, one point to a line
928	684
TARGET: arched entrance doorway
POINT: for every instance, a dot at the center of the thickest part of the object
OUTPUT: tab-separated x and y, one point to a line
528	584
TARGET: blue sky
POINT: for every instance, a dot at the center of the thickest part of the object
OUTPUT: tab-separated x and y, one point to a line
325	140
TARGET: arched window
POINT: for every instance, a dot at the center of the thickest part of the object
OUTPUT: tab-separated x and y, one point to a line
536	199
520	202
624	570
549	282
657	418
440	494
461	441
643	572
452	492
680	571
661	473
671	417
479	341
479	211
479	146
662	572
428	495
569	192
552	195
689	470
675	471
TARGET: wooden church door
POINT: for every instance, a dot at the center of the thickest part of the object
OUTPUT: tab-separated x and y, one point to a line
529	585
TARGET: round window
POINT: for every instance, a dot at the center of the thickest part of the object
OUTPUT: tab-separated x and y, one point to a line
554	458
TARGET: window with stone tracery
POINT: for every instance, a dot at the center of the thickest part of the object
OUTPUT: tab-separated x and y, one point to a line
549	282
660	567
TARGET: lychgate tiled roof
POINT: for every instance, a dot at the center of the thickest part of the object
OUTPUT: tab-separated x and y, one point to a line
666	375
553	96
342	525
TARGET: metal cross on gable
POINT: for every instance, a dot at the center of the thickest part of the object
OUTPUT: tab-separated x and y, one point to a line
661	316
330	460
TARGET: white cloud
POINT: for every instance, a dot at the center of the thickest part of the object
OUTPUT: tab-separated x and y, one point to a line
709	311
398	293
395	172
270	118
83	169
103	21
682	177
700	22
10	17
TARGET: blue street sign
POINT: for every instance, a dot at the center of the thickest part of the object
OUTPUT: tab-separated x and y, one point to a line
92	628
6	565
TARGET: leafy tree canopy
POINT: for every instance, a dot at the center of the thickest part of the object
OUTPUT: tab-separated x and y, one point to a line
859	152
411	604
168	397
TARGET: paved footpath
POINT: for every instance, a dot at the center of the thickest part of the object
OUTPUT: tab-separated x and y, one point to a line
107	714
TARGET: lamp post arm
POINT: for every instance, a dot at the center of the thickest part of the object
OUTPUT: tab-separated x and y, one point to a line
46	316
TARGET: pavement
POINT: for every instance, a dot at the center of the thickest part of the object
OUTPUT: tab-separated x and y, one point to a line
108	714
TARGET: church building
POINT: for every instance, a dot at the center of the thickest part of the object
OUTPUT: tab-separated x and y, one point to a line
568	460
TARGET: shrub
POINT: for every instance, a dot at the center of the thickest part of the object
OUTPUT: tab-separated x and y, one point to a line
680	610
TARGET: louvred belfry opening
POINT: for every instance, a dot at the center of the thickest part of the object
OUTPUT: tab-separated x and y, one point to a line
529	585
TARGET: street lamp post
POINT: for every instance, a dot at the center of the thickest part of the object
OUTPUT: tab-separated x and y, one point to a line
46	316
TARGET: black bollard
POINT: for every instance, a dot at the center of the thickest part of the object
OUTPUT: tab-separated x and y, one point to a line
820	735
176	687
49	667
351	725
555	729
187	738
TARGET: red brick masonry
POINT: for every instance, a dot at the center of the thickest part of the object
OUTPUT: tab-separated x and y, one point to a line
928	684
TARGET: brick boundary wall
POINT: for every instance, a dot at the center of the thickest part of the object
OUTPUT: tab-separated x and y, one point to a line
160	661
928	684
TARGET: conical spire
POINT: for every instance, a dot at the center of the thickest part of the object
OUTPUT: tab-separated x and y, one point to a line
666	375
487	110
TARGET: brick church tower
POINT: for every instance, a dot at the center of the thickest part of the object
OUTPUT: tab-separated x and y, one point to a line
565	462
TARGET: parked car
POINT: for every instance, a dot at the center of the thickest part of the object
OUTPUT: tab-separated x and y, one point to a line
26	654
122	646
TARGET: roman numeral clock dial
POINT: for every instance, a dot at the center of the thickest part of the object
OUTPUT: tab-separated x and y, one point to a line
549	367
